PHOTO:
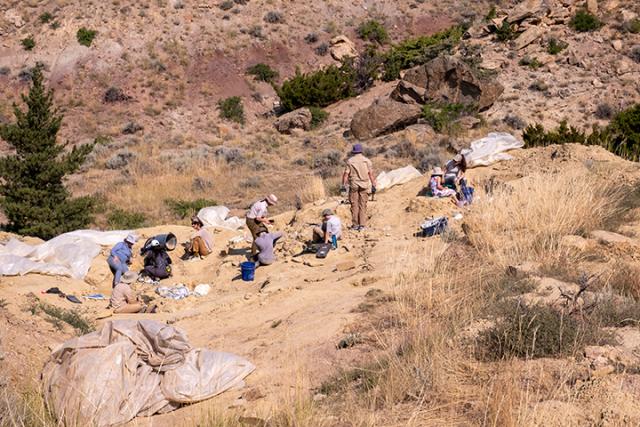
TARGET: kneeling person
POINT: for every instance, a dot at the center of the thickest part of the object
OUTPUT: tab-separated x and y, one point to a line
265	243
201	242
331	226
123	300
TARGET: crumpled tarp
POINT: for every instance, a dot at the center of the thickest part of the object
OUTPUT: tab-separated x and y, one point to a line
134	368
491	149
216	216
396	177
69	254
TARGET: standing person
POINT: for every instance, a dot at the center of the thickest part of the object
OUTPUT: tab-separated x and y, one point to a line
359	175
201	242
257	218
454	171
120	257
124	301
265	243
331	226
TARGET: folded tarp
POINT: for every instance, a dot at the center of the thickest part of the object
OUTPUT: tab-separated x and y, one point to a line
491	149
396	177
134	368
216	216
69	254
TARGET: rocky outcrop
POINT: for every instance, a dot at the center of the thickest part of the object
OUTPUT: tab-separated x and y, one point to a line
297	119
342	47
383	116
451	80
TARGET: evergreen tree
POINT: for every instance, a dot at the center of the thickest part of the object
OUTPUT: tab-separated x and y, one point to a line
32	194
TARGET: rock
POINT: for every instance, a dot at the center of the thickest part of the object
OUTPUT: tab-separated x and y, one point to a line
342	47
592	6
13	17
297	119
529	36
468	122
627	15
408	93
223	130
346	266
527	9
524	269
610	238
384	116
451	80
617	45
574	242
477	31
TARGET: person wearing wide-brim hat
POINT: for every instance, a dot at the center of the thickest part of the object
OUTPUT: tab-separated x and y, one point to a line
257	218
201	242
120	257
358	174
123	300
435	184
331	226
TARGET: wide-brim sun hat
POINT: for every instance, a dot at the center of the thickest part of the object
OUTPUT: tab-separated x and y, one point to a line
457	158
271	199
131	238
437	171
129	277
357	149
196	220
327	212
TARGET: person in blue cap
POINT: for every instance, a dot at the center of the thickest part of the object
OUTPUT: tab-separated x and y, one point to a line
120	258
358	175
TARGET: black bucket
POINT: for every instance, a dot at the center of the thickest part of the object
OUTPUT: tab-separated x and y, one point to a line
167	242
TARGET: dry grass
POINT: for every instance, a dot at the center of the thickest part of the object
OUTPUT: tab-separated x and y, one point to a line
311	189
25	409
526	222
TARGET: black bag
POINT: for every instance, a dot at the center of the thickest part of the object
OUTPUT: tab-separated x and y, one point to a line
323	250
434	226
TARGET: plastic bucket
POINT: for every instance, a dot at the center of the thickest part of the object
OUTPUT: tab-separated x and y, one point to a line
167	242
248	271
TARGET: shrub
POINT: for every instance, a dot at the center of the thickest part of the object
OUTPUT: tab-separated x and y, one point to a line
318	116
583	21
274	17
373	31
491	14
232	109
418	51
85	36
311	38
256	31
515	122
185	208
226	5
58	315
318	89
54	25
604	111
121	219
505	32
263	72
555	46
322	49
33	196
230	155
634	54
115	94
632	26
532	63
535	135
28	43
5	71
441	115
536	331
46	17
328	159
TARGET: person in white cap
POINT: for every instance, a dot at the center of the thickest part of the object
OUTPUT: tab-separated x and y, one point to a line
124	301
120	257
436	187
257	218
454	171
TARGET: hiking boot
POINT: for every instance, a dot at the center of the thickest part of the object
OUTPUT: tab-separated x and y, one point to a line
355	227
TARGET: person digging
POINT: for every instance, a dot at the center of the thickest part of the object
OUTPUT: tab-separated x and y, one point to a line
123	299
201	242
120	258
331	226
257	219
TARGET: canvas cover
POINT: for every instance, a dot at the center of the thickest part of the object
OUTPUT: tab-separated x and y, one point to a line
134	368
396	177
491	149
216	216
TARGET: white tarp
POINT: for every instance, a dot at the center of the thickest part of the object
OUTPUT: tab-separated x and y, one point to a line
491	149
69	254
133	368
396	177
216	216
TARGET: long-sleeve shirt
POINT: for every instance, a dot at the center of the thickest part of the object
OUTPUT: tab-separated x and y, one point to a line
122	251
265	243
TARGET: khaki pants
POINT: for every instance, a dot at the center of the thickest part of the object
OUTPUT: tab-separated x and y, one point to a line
199	247
318	234
256	228
358	198
129	308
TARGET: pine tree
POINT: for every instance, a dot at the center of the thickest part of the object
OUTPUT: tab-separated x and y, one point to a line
32	193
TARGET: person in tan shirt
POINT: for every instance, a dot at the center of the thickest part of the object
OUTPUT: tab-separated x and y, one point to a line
124	301
358	174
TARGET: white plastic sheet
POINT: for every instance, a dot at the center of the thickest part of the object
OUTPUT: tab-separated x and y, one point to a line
69	254
396	177
216	216
491	149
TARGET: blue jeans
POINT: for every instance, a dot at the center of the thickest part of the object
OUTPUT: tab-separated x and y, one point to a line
117	268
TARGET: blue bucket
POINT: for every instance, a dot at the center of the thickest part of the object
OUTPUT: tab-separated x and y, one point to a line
248	271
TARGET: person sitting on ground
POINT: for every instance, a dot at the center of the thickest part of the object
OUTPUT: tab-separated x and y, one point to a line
265	243
201	243
435	184
122	297
454	171
257	218
331	226
157	262
120	258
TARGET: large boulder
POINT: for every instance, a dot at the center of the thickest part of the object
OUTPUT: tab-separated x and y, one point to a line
297	119
342	47
451	80
385	115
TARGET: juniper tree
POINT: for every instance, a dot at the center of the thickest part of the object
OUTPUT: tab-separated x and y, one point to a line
32	193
